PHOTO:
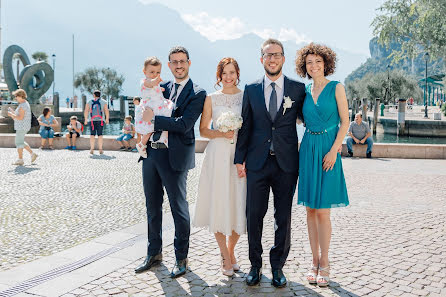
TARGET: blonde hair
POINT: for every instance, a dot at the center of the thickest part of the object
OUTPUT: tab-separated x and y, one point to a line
154	61
20	93
128	118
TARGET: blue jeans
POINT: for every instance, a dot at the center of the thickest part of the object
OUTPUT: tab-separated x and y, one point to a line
368	141
47	133
125	137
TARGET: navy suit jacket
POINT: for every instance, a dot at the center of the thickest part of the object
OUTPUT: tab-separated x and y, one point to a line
180	125
258	129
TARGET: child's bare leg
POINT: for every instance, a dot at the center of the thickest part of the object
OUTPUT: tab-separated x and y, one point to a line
145	138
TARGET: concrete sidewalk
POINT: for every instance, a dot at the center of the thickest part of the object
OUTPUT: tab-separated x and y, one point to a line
388	242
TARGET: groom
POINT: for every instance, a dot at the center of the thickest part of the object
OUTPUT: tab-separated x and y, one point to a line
167	164
267	144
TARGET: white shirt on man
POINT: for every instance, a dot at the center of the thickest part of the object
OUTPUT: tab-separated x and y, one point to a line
268	90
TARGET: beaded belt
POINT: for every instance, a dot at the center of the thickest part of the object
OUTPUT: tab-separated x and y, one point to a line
320	132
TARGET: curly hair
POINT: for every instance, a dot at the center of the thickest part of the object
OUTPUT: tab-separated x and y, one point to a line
222	64
325	52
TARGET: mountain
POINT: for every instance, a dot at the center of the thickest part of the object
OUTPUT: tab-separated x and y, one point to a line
380	59
121	34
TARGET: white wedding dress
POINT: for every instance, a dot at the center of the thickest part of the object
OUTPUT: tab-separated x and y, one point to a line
221	201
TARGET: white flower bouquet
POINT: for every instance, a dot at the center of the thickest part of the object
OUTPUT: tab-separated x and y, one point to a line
229	121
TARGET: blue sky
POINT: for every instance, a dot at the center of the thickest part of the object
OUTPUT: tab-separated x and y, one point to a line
344	24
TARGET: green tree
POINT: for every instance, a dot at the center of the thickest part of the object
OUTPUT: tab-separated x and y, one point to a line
40	56
107	80
373	85
418	25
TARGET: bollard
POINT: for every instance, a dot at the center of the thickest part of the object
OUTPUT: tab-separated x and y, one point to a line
56	105
382	109
354	108
122	107
364	109
401	117
375	114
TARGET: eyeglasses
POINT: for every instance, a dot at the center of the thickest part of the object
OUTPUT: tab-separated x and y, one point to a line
271	55
180	62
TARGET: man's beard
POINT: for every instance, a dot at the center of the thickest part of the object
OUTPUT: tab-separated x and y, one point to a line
272	73
185	74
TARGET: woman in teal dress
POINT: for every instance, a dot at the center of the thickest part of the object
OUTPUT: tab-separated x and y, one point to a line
321	177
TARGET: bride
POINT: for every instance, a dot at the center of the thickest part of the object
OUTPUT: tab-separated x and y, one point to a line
221	201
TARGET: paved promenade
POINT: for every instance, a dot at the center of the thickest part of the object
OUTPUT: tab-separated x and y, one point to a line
388	242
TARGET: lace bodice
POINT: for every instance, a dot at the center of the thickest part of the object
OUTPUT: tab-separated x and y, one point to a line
225	102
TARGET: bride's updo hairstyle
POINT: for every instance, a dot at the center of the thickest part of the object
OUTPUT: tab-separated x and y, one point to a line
222	64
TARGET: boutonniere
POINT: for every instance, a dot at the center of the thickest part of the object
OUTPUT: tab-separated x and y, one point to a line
287	103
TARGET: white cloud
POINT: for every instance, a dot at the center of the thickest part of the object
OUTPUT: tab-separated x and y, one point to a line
221	28
215	28
287	34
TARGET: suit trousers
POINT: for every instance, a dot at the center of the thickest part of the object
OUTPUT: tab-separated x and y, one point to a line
157	173
283	185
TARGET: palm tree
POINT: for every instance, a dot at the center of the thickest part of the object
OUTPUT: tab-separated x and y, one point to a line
40	56
107	80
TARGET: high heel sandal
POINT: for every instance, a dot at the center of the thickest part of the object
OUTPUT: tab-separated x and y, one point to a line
312	276
323	281
227	272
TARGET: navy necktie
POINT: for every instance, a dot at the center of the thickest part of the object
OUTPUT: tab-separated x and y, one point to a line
157	134
273	107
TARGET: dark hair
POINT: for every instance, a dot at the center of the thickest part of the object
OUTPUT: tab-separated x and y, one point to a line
327	54
222	64
271	41
137	99
97	93
46	110
178	49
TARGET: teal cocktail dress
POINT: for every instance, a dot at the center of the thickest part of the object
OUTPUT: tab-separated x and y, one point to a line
318	188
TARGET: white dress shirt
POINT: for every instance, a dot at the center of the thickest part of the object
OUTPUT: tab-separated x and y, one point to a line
268	89
180	88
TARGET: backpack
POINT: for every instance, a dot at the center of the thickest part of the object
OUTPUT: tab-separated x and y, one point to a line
34	121
96	112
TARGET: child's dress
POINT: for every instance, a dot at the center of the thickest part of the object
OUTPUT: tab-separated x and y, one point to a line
152	98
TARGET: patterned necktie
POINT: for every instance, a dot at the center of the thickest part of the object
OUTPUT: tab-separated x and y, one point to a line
273	107
157	134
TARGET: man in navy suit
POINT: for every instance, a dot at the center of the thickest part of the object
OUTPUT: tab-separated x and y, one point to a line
267	153
167	165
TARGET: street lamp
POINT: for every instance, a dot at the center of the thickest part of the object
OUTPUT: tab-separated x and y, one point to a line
54	70
388	85
426	58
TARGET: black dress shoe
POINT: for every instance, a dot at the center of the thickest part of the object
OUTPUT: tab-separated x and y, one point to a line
369	154
253	277
150	261
279	279
179	269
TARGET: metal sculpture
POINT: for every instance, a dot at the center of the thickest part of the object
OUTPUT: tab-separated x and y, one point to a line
35	79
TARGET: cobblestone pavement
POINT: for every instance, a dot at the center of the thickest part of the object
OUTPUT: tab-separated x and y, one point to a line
389	242
67	198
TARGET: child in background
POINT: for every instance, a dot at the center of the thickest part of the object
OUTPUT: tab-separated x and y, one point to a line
136	102
128	132
151	97
74	131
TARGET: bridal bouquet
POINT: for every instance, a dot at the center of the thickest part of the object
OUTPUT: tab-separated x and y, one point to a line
228	121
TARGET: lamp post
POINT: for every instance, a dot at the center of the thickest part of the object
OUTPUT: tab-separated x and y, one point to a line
426	58
54	70
388	84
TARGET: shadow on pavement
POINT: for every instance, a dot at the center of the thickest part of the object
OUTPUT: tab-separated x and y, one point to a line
23	170
102	157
